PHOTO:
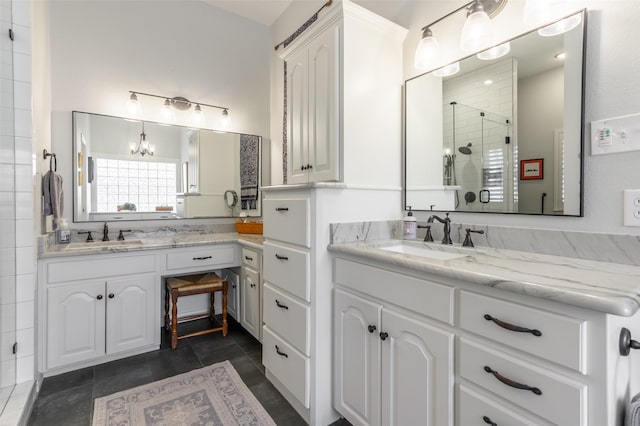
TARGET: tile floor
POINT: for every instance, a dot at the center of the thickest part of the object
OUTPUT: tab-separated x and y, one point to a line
67	399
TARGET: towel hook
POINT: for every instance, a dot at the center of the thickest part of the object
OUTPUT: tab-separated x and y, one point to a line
52	157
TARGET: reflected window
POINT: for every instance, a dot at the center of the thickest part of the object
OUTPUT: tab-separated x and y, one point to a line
129	185
492	179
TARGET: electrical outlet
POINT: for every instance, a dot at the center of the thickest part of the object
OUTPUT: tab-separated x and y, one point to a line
632	207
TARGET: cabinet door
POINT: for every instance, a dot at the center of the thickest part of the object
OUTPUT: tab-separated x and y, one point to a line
297	117
233	293
131	313
250	302
417	372
357	359
323	106
75	323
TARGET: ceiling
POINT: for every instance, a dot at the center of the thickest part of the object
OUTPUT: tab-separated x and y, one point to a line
262	11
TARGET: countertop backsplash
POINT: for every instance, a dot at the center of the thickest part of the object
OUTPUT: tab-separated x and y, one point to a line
616	248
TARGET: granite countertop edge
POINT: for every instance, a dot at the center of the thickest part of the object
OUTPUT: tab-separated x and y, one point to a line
599	286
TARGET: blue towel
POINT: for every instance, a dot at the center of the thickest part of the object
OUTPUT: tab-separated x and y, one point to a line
53	197
632	417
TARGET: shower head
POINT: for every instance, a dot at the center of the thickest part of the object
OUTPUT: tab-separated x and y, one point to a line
465	149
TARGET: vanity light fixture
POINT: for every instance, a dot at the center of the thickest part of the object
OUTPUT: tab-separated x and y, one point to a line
179	103
143	147
495	52
476	32
447	70
541	12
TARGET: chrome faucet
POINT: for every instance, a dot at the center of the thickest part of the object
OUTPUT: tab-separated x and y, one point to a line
447	227
105	232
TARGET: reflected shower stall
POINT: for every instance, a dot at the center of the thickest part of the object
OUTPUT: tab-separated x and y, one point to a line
479	159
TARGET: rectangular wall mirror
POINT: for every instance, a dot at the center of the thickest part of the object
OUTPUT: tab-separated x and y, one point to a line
133	170
502	135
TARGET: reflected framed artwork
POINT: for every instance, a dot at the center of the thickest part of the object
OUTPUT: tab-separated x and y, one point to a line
531	169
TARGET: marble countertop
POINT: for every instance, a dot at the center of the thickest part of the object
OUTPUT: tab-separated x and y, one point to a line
601	286
155	243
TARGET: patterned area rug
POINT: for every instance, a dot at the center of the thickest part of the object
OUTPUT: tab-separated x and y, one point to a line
211	396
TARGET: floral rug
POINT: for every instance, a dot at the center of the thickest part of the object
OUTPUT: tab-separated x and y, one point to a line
211	396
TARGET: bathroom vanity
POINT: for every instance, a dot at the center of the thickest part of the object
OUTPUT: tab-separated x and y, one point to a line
476	336
103	301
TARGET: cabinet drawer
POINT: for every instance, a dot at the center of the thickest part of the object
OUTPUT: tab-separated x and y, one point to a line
251	258
557	338
561	400
287	220
289	366
476	409
287	317
210	256
424	297
287	268
105	266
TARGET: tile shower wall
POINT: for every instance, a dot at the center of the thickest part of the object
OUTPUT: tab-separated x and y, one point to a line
17	252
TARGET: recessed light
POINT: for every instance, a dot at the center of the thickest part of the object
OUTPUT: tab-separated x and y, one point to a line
561	55
488	82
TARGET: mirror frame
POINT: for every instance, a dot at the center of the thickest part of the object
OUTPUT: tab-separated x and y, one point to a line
582	143
180	170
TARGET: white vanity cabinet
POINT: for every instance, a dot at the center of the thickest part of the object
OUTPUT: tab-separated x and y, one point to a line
99	306
391	367
251	292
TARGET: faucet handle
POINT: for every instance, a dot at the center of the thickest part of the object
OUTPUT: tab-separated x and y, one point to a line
89	236
121	234
428	237
467	240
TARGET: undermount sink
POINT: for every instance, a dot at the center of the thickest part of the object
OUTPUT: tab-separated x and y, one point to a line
102	244
423	251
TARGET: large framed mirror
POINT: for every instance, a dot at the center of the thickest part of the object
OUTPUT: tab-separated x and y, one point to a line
139	170
502	135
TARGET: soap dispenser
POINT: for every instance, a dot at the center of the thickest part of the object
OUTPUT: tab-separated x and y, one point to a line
409	225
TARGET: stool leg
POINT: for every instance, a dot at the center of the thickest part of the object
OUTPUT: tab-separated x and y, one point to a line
225	326
174	319
166	309
212	309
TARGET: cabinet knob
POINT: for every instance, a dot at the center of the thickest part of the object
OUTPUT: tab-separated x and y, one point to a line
489	421
372	328
303	168
99	297
383	335
111	295
252	285
309	167
626	343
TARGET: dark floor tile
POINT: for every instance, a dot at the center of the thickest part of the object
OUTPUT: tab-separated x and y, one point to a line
246	341
123	374
167	363
256	357
341	422
249	373
278	408
212	351
70	407
61	382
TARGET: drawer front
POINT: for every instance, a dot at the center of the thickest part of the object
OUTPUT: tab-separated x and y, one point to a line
289	366
424	297
251	258
557	338
287	220
477	409
557	398
105	266
287	268
201	257
287	317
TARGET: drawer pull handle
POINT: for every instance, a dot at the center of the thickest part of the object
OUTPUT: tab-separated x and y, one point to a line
202	258
372	328
510	382
280	305
512	327
489	421
99	297
250	259
383	335
281	257
281	353
282	209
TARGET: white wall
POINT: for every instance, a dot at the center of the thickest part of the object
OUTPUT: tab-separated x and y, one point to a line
102	49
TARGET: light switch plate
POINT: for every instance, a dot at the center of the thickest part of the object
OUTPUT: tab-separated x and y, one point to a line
617	134
632	207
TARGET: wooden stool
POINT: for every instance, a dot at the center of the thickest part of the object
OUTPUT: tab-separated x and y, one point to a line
186	286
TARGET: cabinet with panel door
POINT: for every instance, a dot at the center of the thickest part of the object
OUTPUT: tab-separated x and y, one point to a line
251	292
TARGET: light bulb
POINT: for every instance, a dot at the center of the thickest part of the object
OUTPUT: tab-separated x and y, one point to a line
225	120
197	113
561	26
133	104
495	52
427	50
447	70
152	148
476	32
132	147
